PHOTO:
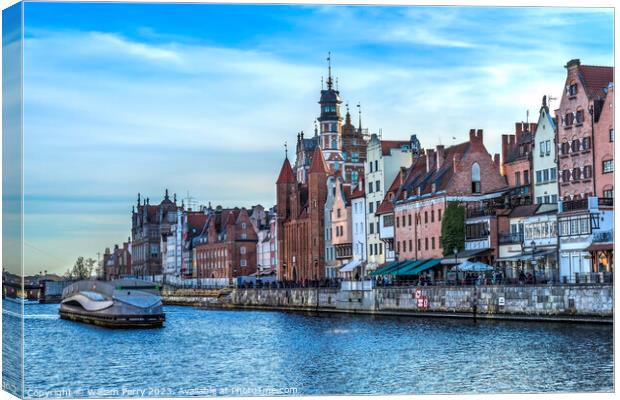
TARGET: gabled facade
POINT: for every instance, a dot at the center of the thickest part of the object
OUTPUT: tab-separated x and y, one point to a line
148	224
545	171
384	158
517	161
358	223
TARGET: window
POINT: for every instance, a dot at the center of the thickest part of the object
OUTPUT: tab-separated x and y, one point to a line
564	148
380	248
370	250
397	222
611	134
554	198
586	143
370	187
538	200
425	243
545	175
542	149
576	173
419	244
475	178
538	176
388	220
526	177
579	117
439	215
243	250
376	165
575	145
608	193
410	245
572	89
548	147
398	246
517	178
432	215
568	119
552	173
371	228
426	217
244	263
377	186
354	177
587	171
370	166
409	219
608	166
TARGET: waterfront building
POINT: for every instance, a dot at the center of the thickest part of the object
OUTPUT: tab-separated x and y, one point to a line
384	158
584	219
517	164
331	263
266	244
192	225
385	220
342	239
117	263
465	173
358	223
300	210
226	246
148	223
603	147
174	247
544	166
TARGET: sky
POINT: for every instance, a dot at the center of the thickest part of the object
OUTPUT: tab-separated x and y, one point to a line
128	98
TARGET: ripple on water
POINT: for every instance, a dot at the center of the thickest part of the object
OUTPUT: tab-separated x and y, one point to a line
327	354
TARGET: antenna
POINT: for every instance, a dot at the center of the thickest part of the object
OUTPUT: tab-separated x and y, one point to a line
191	201
549	98
527	116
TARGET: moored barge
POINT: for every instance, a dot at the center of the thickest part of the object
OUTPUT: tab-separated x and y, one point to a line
126	303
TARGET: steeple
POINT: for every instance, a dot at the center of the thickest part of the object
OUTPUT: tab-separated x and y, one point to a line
166	197
286	173
318	162
359	111
329	70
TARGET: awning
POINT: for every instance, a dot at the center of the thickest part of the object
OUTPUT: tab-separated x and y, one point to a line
600	247
463	256
350	266
469	266
527	256
433	262
387	268
409	266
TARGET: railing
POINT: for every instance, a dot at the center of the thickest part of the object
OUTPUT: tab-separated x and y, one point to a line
606	201
480	212
573	205
356	285
506	238
603	236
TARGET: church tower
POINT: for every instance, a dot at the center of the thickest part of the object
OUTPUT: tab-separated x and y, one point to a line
330	123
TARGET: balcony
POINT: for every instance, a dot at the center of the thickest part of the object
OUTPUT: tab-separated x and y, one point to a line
575	205
603	236
606	201
510	238
480	212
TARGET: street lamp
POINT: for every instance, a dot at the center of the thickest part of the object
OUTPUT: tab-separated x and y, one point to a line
455	251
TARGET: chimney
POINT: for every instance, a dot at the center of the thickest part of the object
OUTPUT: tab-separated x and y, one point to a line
572	64
479	135
518	130
430	160
496	160
441	153
472	135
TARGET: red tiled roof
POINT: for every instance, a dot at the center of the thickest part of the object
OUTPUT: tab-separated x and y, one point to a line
387	145
596	78
286	173
386	205
318	163
359	190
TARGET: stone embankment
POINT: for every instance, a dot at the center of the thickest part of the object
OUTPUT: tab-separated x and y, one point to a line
589	303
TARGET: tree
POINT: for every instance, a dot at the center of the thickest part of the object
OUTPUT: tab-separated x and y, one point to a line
453	228
82	269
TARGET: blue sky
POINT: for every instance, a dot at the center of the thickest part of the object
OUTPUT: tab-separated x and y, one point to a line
127	98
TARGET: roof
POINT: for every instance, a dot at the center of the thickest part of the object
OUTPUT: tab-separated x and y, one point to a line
359	191
387	145
286	173
524	211
595	79
387	206
318	163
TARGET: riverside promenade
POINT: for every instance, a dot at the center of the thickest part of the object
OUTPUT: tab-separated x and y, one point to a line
570	303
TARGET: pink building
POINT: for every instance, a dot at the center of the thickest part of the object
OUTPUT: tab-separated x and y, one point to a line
341	224
603	146
581	105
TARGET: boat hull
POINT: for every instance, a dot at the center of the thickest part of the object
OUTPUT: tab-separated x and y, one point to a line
113	321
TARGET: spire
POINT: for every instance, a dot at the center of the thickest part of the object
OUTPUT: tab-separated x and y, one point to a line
286	173
138	198
174	198
166	197
359	110
316	128
285	151
318	162
329	70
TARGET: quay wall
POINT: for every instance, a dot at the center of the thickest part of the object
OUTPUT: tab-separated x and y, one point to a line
557	302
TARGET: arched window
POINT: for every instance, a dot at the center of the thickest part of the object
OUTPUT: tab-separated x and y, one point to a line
475	178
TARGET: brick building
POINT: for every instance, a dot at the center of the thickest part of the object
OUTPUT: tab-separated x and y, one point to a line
603	147
148	223
300	209
226	246
517	161
464	173
117	263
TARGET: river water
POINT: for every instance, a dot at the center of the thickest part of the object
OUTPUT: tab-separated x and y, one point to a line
207	352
